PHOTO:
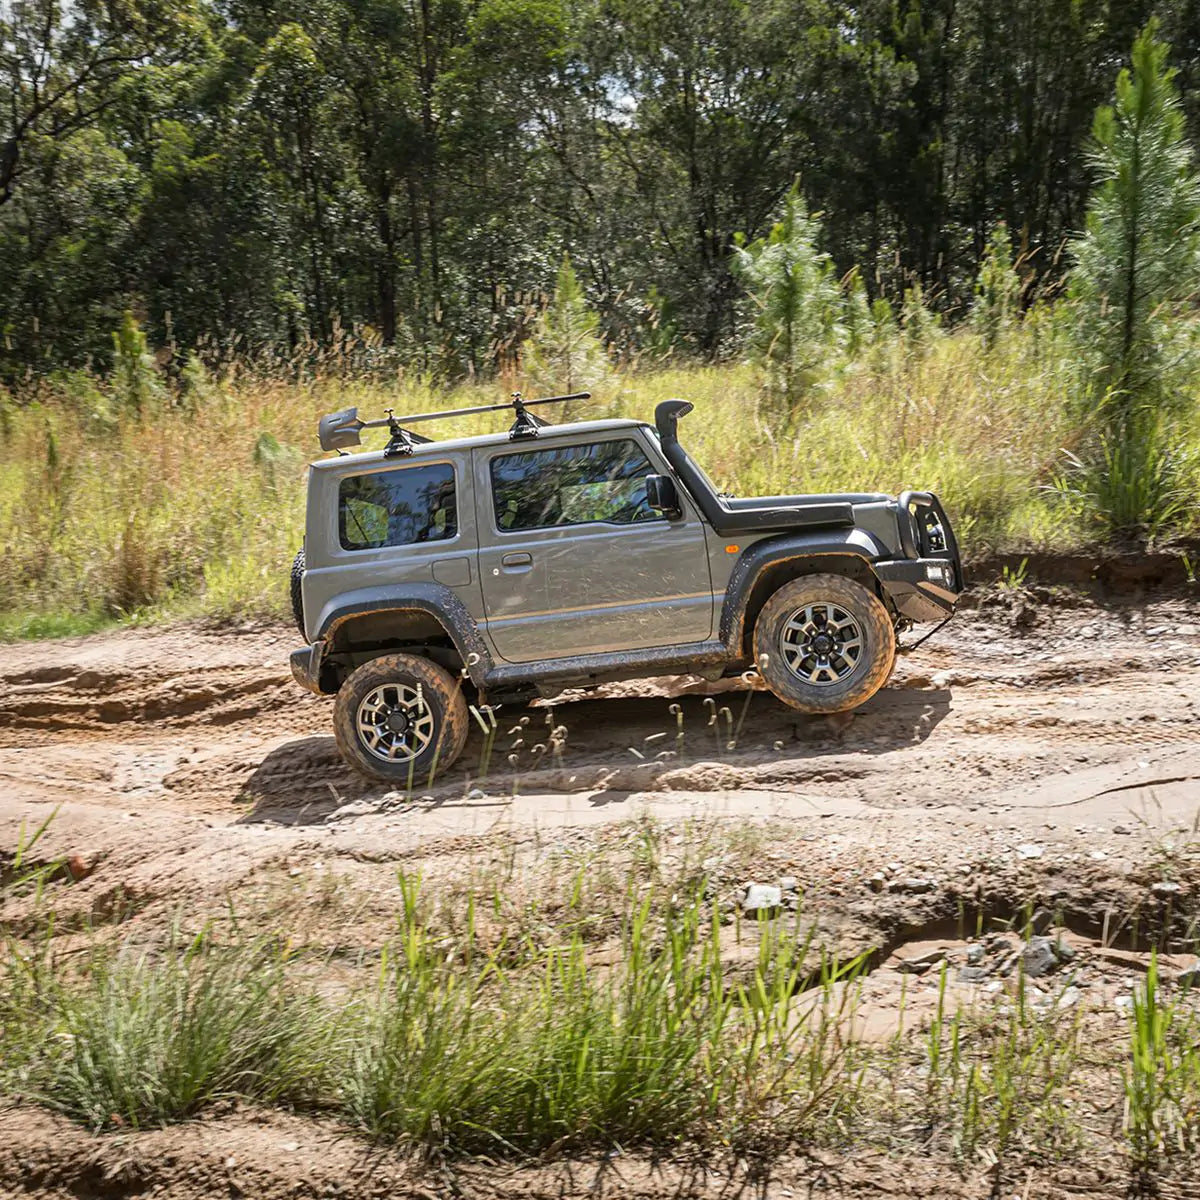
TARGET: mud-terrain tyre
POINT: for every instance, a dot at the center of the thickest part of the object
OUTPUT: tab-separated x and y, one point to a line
824	643
298	565
401	719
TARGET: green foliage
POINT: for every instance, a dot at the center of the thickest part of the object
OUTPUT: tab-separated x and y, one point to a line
994	1078
918	323
857	317
136	381
565	353
1139	261
797	333
388	187
997	288
196	387
147	1039
1137	271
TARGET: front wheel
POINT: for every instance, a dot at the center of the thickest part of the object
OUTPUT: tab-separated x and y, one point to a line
401	719
824	643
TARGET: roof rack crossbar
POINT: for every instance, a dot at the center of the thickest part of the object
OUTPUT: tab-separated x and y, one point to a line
339	430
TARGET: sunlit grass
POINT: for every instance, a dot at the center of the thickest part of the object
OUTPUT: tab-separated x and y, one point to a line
199	510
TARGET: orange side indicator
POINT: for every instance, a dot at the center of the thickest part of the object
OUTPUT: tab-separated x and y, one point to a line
732	549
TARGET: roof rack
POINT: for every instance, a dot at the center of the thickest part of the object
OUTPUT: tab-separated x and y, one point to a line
341	429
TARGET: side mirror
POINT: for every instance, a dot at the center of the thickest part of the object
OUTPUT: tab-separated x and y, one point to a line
662	496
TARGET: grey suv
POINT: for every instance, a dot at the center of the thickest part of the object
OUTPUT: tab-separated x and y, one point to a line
520	563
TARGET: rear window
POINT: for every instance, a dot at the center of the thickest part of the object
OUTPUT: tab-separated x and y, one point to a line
397	508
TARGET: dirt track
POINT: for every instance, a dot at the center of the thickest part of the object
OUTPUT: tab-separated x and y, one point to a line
1039	750
1042	713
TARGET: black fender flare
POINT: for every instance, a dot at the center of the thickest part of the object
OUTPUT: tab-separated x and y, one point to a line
761	557
434	599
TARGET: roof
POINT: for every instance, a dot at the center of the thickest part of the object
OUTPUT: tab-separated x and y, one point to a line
437	449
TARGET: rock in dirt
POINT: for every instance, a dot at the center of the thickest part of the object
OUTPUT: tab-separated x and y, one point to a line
1039	958
922	963
1189	977
762	900
916	886
975	955
1042	921
79	867
1165	889
347	812
973	974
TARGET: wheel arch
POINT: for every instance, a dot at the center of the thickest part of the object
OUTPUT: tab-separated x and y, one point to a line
766	566
377	621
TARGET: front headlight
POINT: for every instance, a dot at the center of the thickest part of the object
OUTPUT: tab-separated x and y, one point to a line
940	573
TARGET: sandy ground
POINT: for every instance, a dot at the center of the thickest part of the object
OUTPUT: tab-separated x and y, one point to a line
1042	749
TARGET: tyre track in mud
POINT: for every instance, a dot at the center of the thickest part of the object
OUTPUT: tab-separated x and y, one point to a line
213	717
185	758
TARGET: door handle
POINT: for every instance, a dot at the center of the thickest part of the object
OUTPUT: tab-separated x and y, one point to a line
517	560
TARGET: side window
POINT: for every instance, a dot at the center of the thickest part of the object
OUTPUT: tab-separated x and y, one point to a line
572	485
397	508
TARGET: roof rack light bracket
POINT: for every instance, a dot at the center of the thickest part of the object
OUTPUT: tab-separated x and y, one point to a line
527	424
402	441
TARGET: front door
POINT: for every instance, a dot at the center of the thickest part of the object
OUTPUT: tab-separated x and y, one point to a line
572	559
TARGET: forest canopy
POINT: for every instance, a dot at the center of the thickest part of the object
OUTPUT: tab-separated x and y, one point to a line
250	179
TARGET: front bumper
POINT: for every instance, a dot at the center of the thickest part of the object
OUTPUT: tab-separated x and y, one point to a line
922	589
925	584
306	666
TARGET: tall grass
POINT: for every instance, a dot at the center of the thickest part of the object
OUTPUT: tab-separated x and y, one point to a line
148	1039
461	1039
1001	1079
452	1048
197	507
1162	1074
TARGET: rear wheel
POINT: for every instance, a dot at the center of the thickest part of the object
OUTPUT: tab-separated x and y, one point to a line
401	719
824	643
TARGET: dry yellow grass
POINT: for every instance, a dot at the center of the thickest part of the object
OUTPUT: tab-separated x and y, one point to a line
198	509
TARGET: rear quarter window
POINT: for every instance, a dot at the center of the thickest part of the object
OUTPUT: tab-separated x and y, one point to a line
401	507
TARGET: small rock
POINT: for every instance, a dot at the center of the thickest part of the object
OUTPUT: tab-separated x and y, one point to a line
762	900
477	794
1030	850
973	974
1041	921
1122	829
79	867
1165	887
1064	952
922	963
877	882
356	808
1039	958
1189	977
789	883
915	886
975	955
1068	998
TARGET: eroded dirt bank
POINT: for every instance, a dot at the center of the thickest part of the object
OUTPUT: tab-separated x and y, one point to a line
1036	753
